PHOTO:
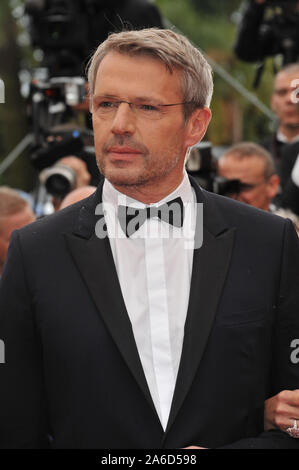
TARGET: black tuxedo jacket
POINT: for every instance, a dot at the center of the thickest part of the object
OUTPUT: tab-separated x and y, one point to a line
290	192
72	376
285	156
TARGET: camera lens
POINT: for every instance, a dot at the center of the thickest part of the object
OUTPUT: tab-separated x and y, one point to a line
58	185
59	180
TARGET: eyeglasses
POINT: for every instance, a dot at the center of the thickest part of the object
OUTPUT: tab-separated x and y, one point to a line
244	187
104	107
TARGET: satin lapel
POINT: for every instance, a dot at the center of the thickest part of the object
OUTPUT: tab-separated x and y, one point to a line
210	266
94	260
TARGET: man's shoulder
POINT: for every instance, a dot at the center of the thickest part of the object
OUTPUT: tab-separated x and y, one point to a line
53	225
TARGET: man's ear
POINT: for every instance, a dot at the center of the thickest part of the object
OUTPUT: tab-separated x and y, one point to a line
273	186
197	125
272	103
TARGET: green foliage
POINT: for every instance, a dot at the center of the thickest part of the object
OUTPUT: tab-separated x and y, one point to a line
13	125
208	24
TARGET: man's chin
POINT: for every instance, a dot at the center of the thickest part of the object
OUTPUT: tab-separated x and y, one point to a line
124	177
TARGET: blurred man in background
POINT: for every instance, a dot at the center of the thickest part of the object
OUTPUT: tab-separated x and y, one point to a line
15	212
271	29
68	173
285	104
284	143
253	166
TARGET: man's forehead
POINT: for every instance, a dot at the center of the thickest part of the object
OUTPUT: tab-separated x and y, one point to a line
246	164
284	80
142	73
114	61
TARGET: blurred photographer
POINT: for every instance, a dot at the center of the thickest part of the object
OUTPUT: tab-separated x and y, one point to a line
268	28
65	32
252	167
68	173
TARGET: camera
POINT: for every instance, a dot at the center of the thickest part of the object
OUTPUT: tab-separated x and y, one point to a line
64	30
269	29
284	27
281	27
202	165
59	180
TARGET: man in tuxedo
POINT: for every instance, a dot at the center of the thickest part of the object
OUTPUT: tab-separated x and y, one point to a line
152	314
284	143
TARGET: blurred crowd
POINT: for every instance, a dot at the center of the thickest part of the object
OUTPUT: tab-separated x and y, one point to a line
269	170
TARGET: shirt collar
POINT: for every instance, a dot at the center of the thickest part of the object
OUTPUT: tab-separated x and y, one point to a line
282	138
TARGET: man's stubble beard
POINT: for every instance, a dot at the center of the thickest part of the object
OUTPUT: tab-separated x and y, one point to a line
292	123
146	174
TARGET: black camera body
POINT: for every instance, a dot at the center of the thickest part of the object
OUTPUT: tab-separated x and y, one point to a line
268	29
281	28
63	30
202	165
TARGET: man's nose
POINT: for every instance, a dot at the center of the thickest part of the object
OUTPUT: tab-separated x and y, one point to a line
124	120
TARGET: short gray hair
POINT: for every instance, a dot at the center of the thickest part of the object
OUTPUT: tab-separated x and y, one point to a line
250	149
172	49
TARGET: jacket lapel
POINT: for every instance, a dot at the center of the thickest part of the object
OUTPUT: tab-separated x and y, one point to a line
94	260
210	266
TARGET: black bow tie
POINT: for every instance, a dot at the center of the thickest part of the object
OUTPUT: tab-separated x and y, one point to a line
131	218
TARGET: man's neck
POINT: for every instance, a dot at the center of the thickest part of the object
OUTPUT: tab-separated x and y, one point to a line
289	132
151	193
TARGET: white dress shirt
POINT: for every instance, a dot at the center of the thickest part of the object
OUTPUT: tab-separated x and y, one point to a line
154	267
282	138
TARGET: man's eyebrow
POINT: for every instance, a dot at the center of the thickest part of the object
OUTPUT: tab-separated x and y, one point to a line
147	99
138	99
97	97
